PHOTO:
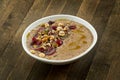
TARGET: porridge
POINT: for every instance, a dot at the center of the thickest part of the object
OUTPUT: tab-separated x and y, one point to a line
59	40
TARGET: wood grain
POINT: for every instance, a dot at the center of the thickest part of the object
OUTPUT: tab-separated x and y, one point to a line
28	61
10	26
108	50
5	10
102	62
96	20
6	6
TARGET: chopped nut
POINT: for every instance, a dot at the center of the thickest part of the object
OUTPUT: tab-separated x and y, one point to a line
46	25
48	44
65	28
44	39
43	46
51	40
46	36
34	46
52	37
53	31
42	25
68	24
60	24
47	29
59	28
42	33
38	38
39	33
61	33
32	51
41	54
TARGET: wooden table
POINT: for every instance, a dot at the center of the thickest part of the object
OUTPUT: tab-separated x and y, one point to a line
102	63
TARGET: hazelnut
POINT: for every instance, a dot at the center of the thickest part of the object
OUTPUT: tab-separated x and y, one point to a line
32	51
48	44
65	28
68	24
43	46
39	33
46	36
59	28
61	33
34	46
38	38
46	25
52	37
53	31
51	41
60	24
44	39
41	54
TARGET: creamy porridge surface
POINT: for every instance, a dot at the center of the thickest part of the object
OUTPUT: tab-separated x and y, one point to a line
71	39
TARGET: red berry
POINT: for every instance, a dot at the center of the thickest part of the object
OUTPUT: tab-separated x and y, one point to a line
50	51
34	40
54	27
72	27
40	49
38	42
59	42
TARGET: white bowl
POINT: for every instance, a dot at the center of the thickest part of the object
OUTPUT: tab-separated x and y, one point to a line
54	17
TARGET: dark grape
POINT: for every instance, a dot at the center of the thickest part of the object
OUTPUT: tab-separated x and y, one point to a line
59	42
50	51
72	27
51	22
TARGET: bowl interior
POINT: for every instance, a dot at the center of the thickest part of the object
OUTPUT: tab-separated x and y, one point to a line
54	17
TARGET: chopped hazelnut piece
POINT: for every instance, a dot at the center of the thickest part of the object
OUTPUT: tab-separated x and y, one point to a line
34	46
46	36
44	39
53	31
32	51
39	33
65	28
46	25
52	37
61	33
48	44
60	24
43	47
41	54
38	38
59	28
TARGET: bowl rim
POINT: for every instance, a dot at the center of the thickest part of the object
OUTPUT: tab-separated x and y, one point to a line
91	29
